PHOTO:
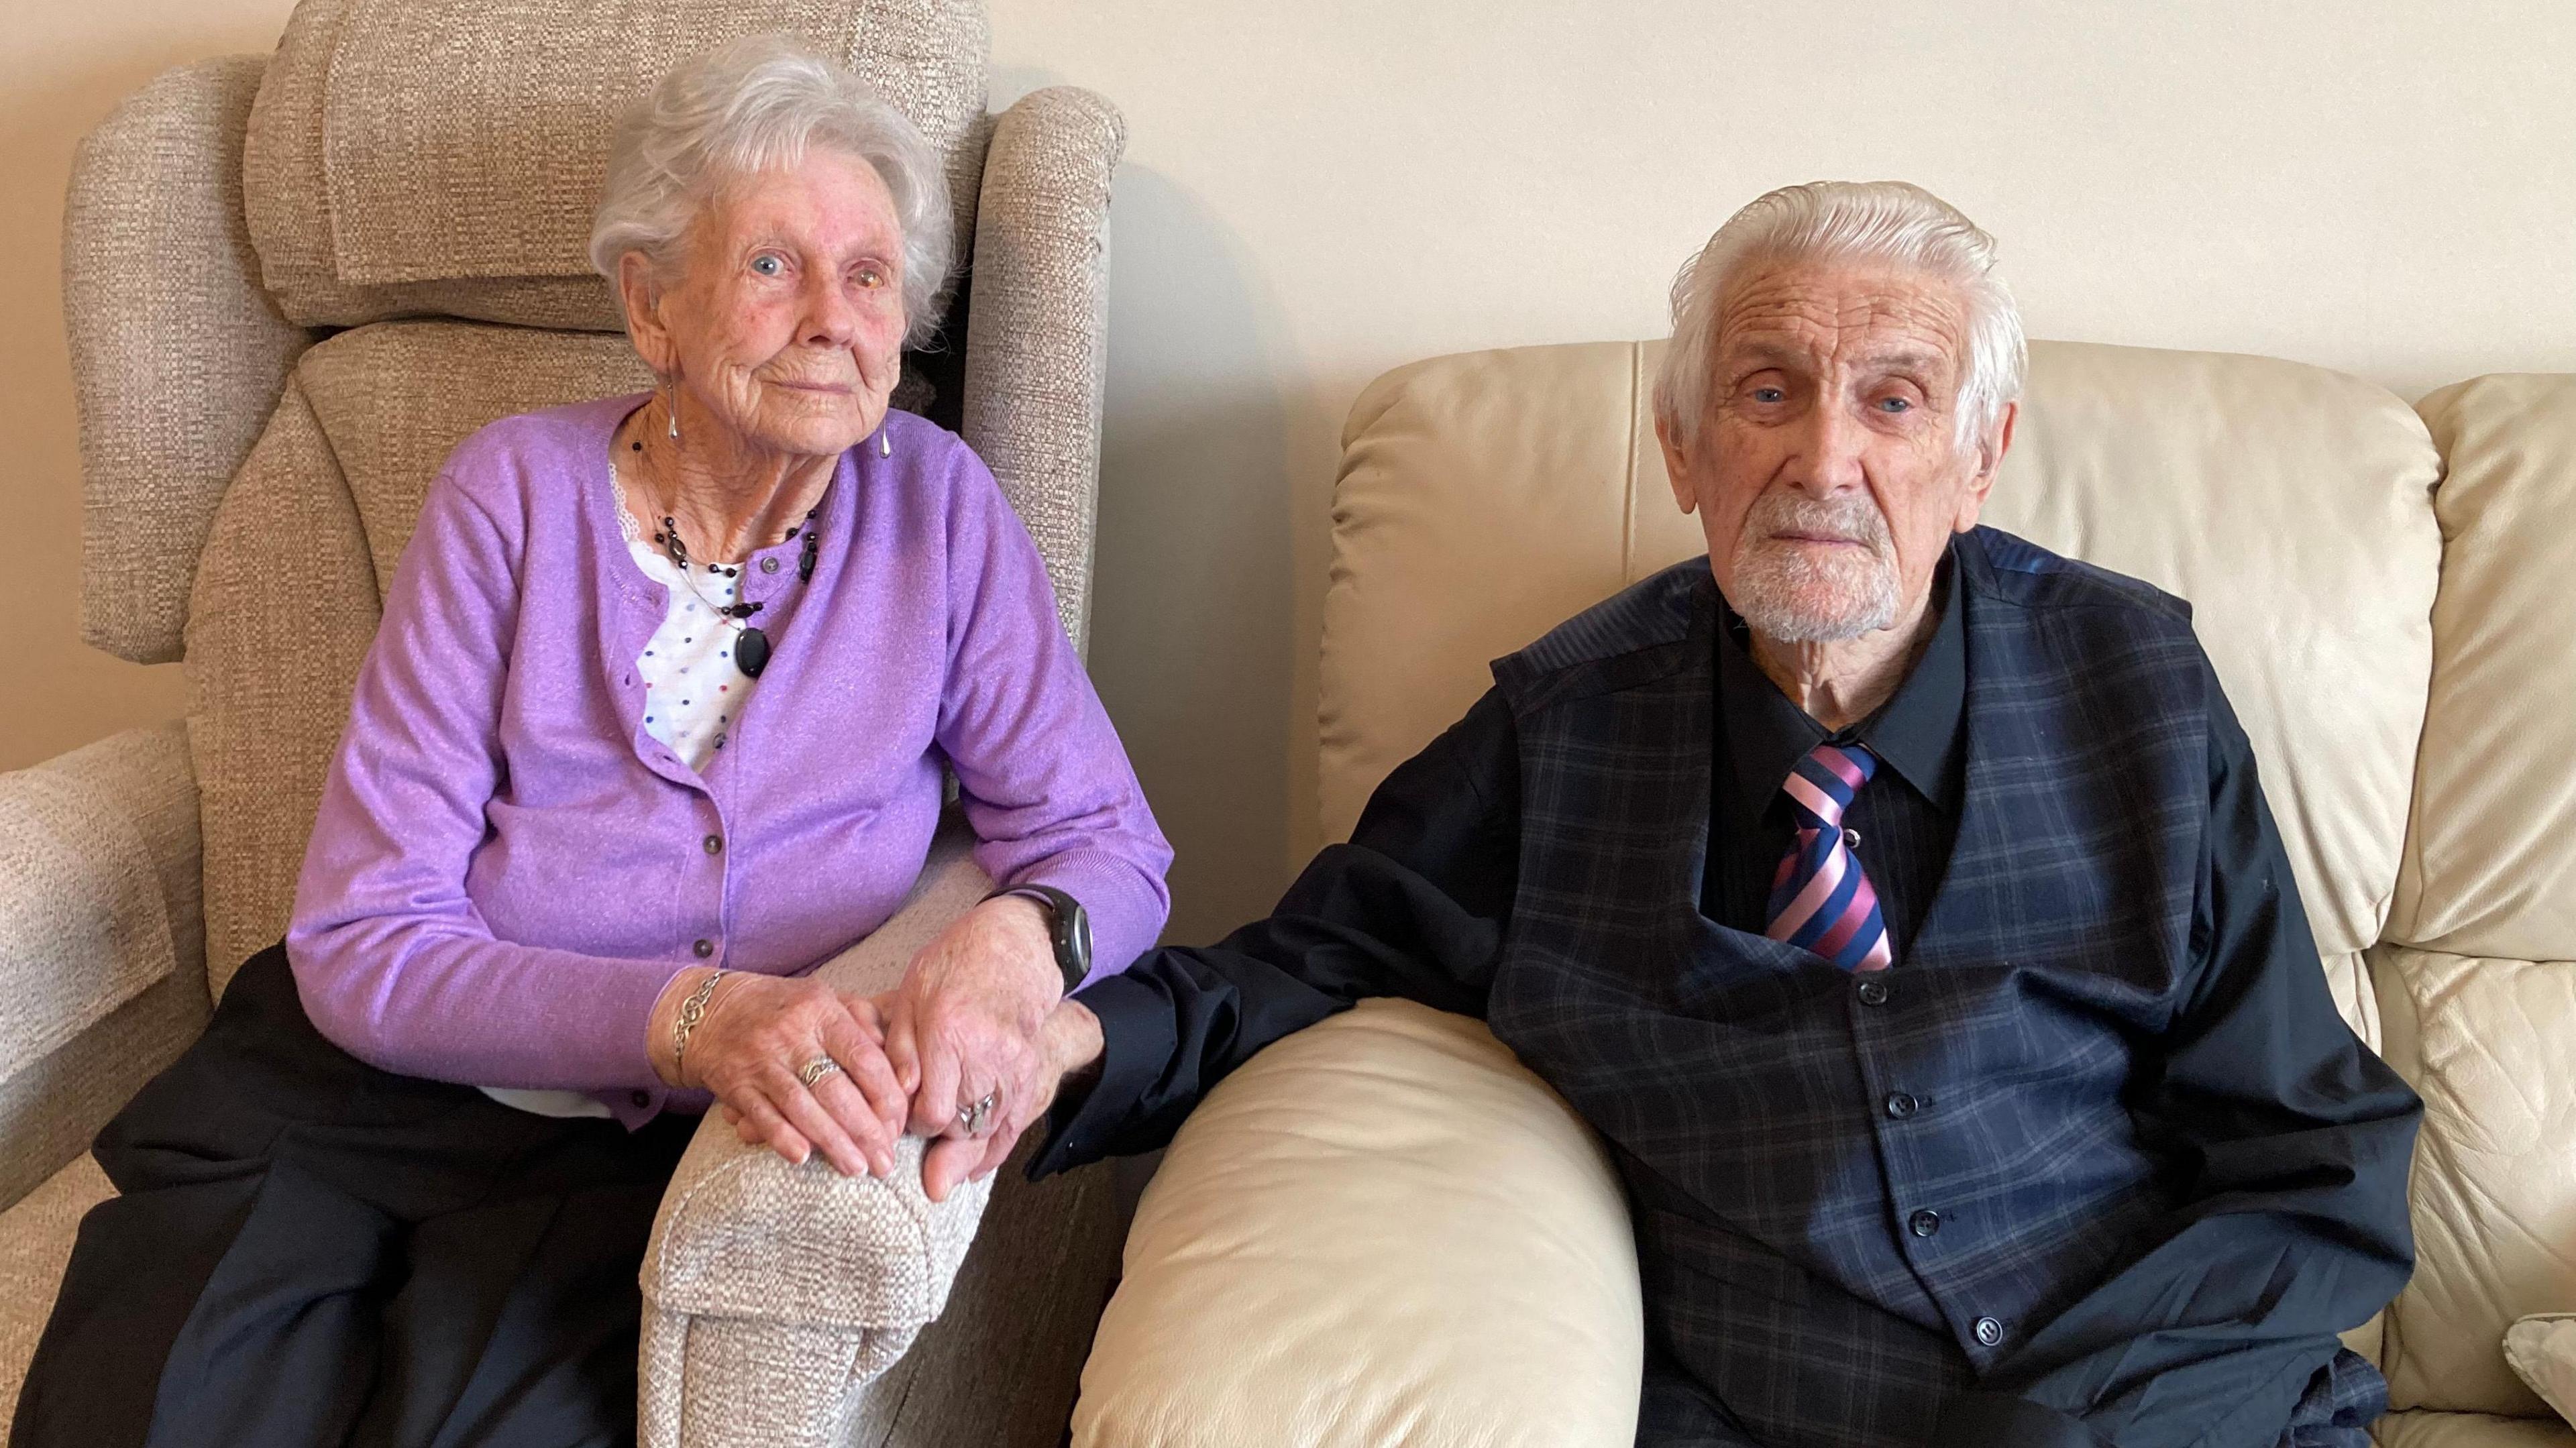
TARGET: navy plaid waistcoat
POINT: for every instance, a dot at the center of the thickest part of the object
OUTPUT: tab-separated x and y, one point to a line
1774	1129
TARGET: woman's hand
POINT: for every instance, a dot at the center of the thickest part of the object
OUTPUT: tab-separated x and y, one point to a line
966	1022
758	1032
1067	1044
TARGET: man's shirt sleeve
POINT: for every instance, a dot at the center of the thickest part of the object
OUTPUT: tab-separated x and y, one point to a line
2292	1225
1413	906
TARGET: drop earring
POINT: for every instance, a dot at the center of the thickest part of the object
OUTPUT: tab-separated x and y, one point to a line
885	444
675	412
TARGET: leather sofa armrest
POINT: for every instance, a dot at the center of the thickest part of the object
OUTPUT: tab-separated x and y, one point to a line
178	355
774	1294
1036	329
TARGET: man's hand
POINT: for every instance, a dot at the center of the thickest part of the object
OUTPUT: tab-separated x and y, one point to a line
965	1023
1068	1043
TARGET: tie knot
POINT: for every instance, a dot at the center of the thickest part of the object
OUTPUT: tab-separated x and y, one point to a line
1823	783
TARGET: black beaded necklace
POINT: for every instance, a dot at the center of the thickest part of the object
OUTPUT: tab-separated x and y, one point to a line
751	647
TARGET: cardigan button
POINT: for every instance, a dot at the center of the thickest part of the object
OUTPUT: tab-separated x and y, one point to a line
704	948
769	565
641	1099
715	845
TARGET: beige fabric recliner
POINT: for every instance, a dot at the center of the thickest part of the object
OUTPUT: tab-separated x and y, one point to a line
293	282
1407	1237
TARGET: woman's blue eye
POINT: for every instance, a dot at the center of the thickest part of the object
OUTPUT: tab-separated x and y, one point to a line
768	266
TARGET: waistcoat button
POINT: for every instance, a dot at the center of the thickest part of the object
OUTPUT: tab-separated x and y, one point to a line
1873	992
1989	1331
1899	1105
1923	1223
1851	839
704	948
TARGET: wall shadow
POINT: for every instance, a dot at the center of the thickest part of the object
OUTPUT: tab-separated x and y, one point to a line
1193	615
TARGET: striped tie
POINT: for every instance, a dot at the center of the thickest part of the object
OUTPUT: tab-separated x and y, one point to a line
1821	899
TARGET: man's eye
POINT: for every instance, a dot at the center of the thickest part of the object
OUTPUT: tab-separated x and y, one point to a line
768	265
1768	394
1895	404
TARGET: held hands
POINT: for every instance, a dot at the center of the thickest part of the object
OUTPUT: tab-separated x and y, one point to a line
757	1035
978	1016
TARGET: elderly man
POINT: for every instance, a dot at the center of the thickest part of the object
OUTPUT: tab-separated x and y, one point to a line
1896	898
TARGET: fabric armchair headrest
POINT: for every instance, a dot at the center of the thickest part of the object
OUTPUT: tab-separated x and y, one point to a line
443	157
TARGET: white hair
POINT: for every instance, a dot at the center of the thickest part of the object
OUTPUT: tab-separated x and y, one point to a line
759	104
1832	221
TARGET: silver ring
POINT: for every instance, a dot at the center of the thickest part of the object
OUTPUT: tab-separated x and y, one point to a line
816	1069
972	1117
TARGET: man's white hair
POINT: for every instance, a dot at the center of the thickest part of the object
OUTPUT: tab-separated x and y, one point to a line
1836	221
758	104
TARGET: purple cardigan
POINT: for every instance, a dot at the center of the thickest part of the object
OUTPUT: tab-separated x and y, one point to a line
507	869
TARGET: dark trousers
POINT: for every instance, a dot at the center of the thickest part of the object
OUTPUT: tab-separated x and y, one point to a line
310	1251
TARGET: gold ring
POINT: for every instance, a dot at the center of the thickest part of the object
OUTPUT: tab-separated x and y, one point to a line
816	1069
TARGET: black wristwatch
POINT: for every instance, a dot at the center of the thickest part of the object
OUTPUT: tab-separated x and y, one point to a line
1067	926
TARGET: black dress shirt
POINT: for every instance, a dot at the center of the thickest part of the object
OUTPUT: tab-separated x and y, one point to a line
1903	819
2303	1148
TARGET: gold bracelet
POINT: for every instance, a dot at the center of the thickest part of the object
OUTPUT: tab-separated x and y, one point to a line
692	1011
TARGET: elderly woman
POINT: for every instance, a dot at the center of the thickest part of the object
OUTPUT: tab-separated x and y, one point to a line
655	722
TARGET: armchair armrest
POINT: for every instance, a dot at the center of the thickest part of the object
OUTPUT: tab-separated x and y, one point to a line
1036	329
774	1294
100	903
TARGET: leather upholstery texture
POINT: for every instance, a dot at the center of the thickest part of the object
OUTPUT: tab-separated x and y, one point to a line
2395	642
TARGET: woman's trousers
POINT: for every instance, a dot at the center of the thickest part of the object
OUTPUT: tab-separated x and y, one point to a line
310	1251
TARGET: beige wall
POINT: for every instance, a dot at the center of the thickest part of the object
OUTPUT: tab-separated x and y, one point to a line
1317	192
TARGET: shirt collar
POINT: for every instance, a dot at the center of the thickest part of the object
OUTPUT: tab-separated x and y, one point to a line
1916	732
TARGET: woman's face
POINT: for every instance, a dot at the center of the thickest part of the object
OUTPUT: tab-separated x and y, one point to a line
787	322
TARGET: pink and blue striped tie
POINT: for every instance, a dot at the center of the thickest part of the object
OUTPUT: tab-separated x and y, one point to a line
1821	899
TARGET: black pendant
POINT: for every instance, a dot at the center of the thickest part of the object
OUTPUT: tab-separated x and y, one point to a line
751	652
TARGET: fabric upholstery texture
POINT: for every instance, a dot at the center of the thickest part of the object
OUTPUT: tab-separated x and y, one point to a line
88	926
2542	1350
372	194
1398	1233
1035	337
101	933
177	355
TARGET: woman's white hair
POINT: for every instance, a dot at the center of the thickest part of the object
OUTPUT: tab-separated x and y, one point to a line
1833	221
759	104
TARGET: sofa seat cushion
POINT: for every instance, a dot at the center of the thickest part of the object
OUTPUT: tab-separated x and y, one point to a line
1382	1229
2470	1430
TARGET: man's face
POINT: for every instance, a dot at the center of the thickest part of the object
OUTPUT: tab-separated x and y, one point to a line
1827	472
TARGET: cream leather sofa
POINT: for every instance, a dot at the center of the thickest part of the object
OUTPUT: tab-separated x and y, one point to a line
1384	1230
294	282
